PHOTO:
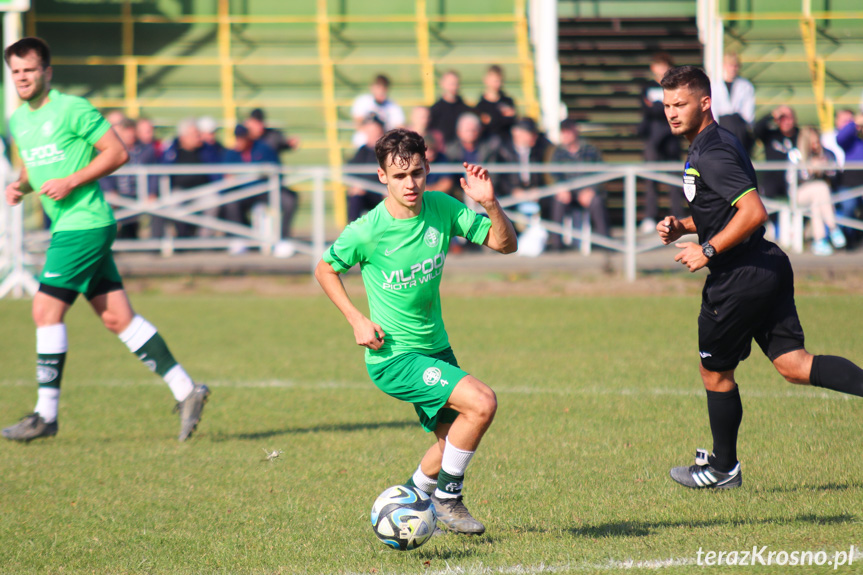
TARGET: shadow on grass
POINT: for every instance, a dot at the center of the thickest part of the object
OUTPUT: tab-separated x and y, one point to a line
825	487
348	427
645	528
470	546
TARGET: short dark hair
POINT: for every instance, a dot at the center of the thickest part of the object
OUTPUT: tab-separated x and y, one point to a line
495	69
690	77
381	80
402	145
662	58
29	44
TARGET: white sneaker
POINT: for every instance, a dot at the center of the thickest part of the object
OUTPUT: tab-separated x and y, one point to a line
648	226
284	249
237	248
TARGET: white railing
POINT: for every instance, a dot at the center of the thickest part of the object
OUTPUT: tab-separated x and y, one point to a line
199	206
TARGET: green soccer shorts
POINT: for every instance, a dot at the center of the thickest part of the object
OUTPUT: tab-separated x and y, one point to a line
425	380
80	261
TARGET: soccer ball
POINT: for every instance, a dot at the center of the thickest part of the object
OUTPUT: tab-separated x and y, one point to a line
403	517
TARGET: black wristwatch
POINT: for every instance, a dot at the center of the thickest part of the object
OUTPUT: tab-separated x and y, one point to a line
708	250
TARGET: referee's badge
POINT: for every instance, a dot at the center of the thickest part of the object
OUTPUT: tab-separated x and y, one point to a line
689	187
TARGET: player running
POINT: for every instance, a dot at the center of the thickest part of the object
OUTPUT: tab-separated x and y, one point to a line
59	137
401	246
749	293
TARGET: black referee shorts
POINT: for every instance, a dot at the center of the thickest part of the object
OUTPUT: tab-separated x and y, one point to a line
753	299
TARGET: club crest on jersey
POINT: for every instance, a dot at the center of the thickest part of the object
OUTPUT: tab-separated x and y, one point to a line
432	237
47	128
431	376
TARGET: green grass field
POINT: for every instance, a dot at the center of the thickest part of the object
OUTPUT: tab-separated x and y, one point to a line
598	397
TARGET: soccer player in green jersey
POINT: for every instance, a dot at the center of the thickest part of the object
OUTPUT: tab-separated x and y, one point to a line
401	246
58	137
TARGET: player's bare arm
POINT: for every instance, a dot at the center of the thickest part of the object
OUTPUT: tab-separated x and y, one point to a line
502	237
750	216
112	155
366	332
16	190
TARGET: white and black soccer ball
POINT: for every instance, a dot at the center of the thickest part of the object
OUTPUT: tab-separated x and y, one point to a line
403	517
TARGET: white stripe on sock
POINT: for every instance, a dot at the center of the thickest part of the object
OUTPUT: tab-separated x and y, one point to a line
423	481
138	333
49	399
179	381
455	460
52	339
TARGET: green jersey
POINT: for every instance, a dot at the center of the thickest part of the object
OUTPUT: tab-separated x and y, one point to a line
402	262
56	141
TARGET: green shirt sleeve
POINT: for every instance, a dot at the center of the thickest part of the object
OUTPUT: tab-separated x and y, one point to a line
467	223
86	121
348	250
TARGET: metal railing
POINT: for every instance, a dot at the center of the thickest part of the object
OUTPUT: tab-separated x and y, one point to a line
200	207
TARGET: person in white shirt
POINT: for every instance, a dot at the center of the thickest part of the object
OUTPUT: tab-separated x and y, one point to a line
376	102
733	101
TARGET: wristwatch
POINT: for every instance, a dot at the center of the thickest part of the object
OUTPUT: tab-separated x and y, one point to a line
708	250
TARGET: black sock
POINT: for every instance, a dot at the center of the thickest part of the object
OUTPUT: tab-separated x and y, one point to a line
725	411
836	373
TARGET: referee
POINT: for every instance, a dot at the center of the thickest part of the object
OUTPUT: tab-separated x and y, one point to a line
749	293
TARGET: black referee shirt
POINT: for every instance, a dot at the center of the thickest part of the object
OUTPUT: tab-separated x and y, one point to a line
718	173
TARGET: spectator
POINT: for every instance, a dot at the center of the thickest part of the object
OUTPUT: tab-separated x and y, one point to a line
115	117
828	138
573	151
435	180
468	145
813	190
447	110
275	139
361	200
184	150
419	123
495	109
212	149
147	136
127	185
660	145
733	101
778	133
526	146
248	150
849	139
376	102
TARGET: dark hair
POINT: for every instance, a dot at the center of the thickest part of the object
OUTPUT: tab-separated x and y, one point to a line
495	69
687	76
381	80
400	144
662	58
30	44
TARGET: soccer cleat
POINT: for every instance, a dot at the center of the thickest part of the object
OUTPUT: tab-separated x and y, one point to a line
455	516
822	247
31	426
702	475
190	410
837	238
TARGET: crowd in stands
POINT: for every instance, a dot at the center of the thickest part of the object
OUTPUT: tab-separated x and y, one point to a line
195	142
489	130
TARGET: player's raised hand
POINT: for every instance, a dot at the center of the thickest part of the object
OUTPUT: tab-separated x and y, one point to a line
477	186
57	189
14	193
670	230
368	334
691	255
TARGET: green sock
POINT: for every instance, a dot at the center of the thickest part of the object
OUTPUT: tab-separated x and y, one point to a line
156	355
49	369
449	485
